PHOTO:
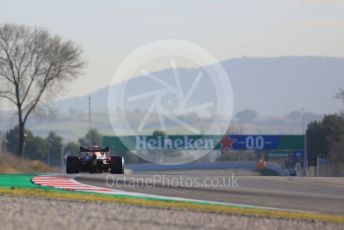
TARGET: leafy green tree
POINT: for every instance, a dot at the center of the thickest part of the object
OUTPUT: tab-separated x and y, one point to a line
316	143
337	152
12	137
44	149
71	148
333	127
36	148
247	115
159	133
93	137
54	143
323	135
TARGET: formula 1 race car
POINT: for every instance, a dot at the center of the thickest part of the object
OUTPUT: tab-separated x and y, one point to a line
95	160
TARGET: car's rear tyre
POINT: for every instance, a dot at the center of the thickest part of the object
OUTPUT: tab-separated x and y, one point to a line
72	164
117	165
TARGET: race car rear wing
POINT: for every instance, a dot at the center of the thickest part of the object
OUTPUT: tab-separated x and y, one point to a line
86	150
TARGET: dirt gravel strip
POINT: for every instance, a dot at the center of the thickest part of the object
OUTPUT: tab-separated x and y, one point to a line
40	213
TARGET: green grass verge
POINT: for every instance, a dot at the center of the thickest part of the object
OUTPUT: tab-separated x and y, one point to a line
17	180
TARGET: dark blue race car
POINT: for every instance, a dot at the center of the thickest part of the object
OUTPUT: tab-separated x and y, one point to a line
95	160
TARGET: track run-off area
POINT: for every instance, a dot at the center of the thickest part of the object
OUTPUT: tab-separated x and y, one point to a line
318	199
321	195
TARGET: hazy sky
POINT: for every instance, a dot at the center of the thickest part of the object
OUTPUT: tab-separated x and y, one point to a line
109	30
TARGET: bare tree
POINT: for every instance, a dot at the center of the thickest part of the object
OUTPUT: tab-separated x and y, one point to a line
34	64
340	96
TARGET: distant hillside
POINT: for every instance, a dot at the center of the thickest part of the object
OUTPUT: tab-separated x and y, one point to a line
272	86
268	85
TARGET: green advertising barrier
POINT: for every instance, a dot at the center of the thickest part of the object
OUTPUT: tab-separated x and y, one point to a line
292	143
278	155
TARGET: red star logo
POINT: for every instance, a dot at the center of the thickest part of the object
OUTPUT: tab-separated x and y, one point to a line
226	142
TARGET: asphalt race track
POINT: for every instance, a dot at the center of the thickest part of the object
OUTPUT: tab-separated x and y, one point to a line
323	195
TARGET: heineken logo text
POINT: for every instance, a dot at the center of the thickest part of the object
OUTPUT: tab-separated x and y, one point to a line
164	142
